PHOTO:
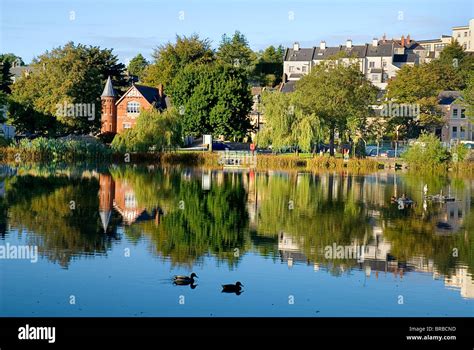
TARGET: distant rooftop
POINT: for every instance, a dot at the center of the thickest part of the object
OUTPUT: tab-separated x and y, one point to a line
447	97
288	87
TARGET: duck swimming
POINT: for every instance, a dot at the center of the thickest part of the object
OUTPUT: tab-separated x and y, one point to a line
184	280
232	288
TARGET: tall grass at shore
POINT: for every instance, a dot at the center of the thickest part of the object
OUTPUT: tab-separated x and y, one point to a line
42	149
316	163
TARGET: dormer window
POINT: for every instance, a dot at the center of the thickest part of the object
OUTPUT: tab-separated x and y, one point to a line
133	107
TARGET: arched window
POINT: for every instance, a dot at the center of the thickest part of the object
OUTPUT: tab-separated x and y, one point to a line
133	107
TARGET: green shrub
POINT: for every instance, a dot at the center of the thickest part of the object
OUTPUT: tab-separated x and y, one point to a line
4	142
426	152
461	151
107	137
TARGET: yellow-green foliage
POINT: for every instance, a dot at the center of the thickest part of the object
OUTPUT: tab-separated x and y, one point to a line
316	163
154	131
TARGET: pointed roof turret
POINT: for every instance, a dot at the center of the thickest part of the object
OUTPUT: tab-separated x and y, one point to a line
105	218
108	89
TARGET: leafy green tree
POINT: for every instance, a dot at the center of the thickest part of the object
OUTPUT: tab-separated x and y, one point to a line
10	58
468	95
339	94
213	98
286	123
5	81
269	69
27	119
453	67
171	58
154	131
5	77
418	85
452	51
236	51
137	65
272	54
72	74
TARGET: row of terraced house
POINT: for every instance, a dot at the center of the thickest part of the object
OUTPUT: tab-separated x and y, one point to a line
380	61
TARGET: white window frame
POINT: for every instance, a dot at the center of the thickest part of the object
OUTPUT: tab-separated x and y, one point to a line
133	107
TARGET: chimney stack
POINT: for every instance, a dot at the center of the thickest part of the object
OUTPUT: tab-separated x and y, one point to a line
296	46
322	45
349	43
375	42
402	41
408	40
384	38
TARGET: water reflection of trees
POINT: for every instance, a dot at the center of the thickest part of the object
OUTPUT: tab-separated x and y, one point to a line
316	212
240	211
42	206
196	222
413	232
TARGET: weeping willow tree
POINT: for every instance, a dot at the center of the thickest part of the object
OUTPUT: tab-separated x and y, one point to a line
287	125
154	130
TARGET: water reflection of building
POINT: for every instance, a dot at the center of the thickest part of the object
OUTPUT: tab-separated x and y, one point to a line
461	279
452	215
289	249
119	195
371	193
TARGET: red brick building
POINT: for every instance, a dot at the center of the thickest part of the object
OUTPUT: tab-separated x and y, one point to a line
119	114
119	195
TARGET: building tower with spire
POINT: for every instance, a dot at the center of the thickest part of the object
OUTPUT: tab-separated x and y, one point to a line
109	109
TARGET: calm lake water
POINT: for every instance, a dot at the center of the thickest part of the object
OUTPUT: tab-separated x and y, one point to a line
110	241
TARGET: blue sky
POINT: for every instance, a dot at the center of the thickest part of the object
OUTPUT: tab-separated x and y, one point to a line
30	27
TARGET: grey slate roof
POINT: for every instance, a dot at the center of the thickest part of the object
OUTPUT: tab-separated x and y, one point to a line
447	97
149	93
406	58
108	89
429	41
381	50
18	71
414	46
384	48
357	51
326	53
152	95
288	87
300	55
